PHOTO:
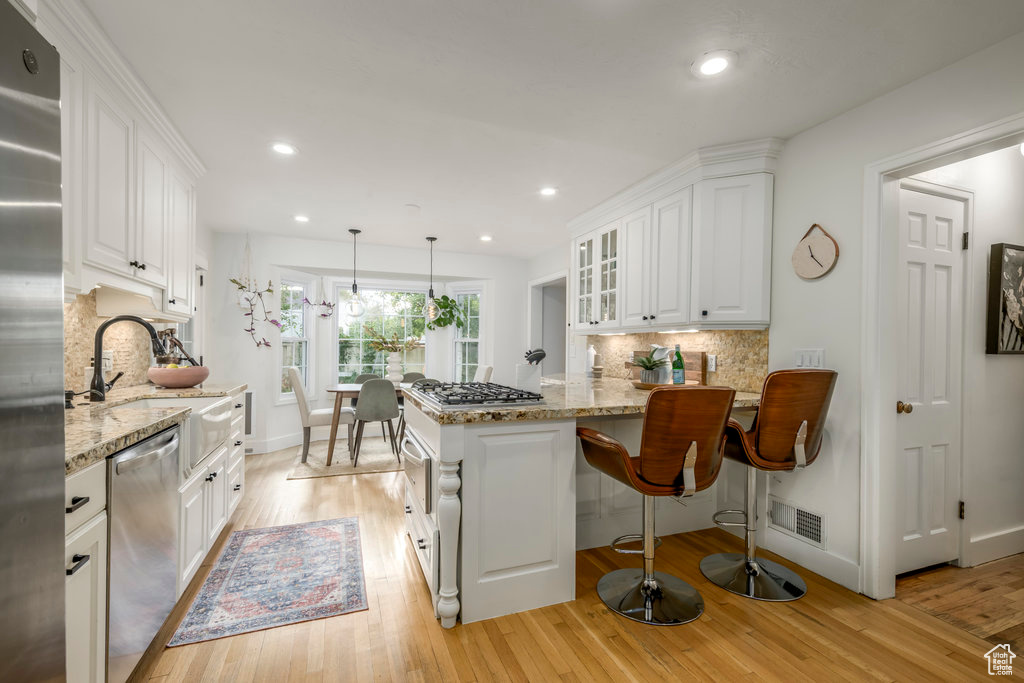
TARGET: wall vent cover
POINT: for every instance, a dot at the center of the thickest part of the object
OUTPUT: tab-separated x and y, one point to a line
796	521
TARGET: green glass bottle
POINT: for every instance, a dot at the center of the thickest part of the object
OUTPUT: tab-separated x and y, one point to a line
678	368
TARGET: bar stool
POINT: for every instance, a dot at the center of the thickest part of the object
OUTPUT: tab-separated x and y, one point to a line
680	454
786	435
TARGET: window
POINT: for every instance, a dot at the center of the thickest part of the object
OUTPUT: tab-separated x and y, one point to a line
467	340
294	334
391	312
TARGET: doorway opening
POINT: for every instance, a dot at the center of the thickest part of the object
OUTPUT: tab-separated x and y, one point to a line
937	476
548	321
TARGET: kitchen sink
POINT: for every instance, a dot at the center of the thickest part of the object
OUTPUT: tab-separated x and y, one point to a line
208	425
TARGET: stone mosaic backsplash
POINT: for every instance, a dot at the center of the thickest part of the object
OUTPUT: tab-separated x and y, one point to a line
129	342
742	355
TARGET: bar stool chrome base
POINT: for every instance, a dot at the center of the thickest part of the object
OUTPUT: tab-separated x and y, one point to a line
665	601
759	579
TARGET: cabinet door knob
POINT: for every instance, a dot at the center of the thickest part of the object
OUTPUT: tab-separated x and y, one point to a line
76	502
704	313
142	266
172	301
408	509
209	477
238	405
79	562
645	317
238	443
421	543
238	487
133	264
652	317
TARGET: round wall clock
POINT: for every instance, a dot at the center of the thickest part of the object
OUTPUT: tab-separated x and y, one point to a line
815	254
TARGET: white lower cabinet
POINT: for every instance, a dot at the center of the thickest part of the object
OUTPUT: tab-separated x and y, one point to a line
192	528
216	496
85	601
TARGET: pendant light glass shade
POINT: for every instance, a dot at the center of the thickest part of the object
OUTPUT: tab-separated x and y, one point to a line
430	310
354	308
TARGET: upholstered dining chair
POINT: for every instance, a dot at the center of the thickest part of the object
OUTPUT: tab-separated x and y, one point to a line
786	435
483	373
378	404
320	417
412	377
680	454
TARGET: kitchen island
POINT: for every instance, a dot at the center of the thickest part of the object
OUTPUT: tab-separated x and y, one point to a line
497	525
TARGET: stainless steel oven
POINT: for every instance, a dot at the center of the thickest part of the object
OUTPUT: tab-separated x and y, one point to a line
418	470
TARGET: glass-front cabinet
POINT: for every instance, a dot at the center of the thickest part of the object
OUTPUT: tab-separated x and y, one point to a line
596	279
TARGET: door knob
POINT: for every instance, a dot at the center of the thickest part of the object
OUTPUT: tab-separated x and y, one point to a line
902	407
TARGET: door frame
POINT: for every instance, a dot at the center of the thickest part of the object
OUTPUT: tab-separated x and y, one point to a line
535	310
880	270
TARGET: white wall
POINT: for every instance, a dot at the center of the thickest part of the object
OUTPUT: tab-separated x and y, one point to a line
553	328
232	356
820	180
993	385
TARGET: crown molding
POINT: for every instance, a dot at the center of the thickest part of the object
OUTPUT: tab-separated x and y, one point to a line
739	158
74	19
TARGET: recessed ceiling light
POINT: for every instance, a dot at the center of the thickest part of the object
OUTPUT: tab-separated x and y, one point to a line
548	191
301	219
485	238
284	148
713	63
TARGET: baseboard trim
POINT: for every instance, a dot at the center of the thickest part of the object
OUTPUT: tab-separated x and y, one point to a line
833	567
994	546
294	439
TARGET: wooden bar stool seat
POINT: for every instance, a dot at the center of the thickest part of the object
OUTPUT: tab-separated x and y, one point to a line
786	435
680	454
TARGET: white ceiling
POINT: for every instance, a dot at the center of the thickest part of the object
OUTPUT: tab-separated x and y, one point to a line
468	107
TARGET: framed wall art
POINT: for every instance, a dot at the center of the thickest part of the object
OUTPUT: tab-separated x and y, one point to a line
1005	323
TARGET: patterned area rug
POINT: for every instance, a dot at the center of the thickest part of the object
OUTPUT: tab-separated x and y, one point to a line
374	456
276	576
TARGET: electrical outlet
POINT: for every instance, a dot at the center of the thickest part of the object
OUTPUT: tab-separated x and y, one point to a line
108	361
712	363
809	358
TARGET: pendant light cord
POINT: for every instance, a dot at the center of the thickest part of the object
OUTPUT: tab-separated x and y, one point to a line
355	288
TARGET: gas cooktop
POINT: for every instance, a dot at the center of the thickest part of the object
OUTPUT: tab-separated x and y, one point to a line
464	394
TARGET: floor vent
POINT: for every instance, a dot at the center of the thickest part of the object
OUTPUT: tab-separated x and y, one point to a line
796	521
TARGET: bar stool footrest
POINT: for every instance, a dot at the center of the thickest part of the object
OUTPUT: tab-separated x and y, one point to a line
632	538
721	522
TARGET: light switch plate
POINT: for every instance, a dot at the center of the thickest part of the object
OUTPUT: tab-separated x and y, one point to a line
809	358
712	363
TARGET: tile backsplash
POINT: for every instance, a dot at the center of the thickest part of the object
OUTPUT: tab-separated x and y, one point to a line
742	355
129	342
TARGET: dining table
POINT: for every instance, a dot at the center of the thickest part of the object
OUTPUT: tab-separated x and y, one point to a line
341	392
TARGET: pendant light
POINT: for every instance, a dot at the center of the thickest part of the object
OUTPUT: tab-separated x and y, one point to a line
355	308
430	310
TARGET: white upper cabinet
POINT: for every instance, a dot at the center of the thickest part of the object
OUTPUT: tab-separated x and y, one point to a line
109	234
182	248
70	171
596	281
689	246
732	250
151	208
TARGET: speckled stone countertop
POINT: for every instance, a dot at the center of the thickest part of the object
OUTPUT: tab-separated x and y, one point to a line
92	431
566	398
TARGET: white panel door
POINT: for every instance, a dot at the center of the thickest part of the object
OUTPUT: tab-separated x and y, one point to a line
109	236
732	220
583	284
929	351
191	529
608	243
636	292
216	496
152	212
85	602
670	259
182	246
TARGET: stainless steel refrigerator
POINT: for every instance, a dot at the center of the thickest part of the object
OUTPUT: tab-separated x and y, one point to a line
31	357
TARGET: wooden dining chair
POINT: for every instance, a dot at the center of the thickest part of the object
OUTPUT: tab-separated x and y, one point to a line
378	404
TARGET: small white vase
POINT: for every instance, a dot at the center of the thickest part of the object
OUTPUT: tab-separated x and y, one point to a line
394	367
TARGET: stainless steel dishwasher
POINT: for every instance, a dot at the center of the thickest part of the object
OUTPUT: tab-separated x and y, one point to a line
143	511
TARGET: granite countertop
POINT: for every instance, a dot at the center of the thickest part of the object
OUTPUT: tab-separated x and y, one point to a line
93	431
568	397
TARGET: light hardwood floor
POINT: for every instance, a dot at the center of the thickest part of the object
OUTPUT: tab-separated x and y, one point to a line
831	634
987	600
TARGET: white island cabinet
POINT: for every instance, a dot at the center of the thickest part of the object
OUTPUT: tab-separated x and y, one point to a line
510	499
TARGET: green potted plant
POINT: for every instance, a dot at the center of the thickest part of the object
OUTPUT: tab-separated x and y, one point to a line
448	313
649	366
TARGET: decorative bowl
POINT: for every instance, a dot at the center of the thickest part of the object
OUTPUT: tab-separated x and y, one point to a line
180	377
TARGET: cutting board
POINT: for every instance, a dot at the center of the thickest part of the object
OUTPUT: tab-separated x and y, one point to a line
696	362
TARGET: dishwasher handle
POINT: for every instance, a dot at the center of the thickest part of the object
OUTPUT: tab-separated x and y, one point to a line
133	460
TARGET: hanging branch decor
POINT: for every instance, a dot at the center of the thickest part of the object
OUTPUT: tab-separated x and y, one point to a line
250	297
324	309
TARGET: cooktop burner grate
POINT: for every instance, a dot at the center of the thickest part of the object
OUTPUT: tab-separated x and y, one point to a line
477	393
